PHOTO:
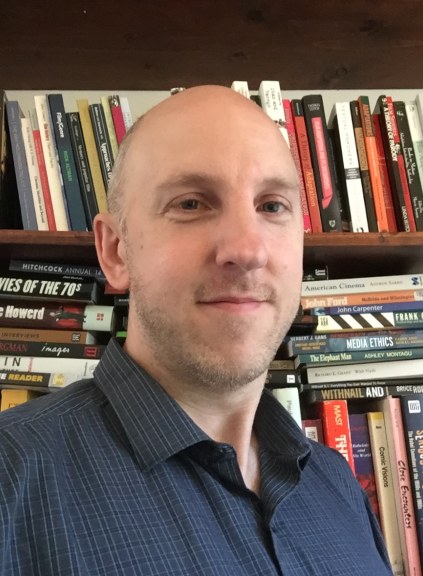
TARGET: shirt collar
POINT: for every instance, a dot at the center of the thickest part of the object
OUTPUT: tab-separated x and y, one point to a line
158	428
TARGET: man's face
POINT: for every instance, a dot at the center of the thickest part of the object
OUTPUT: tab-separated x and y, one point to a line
214	245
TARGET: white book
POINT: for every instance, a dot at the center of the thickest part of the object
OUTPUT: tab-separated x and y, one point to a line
126	112
359	371
271	102
385	490
34	174
52	165
416	134
351	168
361	285
83	366
241	86
290	400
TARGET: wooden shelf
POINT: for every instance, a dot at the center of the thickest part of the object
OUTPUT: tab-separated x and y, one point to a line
345	254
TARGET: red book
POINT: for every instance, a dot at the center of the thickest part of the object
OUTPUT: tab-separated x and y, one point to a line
296	156
306	165
44	180
336	428
387	192
117	115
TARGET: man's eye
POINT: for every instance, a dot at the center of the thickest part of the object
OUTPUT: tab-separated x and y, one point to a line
189	204
272	206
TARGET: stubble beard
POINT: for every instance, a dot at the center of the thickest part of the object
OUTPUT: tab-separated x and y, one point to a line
191	357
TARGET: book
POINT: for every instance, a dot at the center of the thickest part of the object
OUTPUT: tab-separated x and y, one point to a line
385	490
34	174
290	400
295	154
306	165
241	86
19	285
92	154
126	112
362	371
60	269
359	299
102	141
384	175
315	120
41	335
271	102
282	378
355	322
323	358
397	386
337	168
42	169
364	166
336	427
363	309
412	173
117	115
312	428
83	366
110	127
363	284
41	381
54	175
391	408
12	398
412	413
50	349
363	460
82	167
57	315
416	132
67	162
351	181
373	163
359	393
396	166
26	199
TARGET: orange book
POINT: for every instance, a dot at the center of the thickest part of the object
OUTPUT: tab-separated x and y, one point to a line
336	428
373	161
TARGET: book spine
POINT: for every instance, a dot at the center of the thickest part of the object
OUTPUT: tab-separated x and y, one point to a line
30	266
336	428
315	120
26	199
392	146
416	135
50	349
373	162
306	165
366	298
323	358
12	398
126	112
394	307
387	191
351	393
52	167
102	141
312	428
412	413
354	188
339	184
271	102
241	86
385	489
67	162
392	386
82	167
34	174
290	400
39	380
117	115
83	366
357	322
40	335
295	154
19	285
402	484
282	378
110	126
57	315
363	284
362	371
363	460
93	159
45	186
409	156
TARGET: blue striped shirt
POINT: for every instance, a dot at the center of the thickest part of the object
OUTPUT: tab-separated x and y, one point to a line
111	477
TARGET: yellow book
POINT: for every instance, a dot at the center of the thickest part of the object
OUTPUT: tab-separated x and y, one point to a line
110	126
12	398
93	159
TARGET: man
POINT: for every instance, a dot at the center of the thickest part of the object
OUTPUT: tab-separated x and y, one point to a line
173	461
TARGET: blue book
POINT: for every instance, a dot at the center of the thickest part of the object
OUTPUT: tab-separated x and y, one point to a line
71	185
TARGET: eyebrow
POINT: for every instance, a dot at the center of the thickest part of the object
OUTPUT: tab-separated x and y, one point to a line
207	181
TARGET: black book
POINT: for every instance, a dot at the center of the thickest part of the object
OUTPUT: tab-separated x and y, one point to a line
102	141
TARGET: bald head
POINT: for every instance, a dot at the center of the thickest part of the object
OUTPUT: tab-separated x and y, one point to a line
199	110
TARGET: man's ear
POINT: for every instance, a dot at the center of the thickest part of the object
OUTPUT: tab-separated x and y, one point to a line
111	251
